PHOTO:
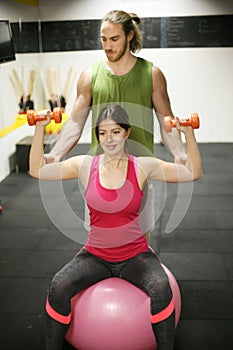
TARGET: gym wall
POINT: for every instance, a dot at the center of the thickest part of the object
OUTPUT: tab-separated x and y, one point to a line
200	78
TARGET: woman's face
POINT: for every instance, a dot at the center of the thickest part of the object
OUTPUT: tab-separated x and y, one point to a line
112	137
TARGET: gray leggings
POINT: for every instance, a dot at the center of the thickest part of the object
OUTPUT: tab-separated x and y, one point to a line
144	271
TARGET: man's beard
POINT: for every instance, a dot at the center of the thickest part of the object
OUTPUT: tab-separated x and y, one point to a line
120	54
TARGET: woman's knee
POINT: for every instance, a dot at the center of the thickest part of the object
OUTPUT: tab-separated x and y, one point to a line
158	283
60	286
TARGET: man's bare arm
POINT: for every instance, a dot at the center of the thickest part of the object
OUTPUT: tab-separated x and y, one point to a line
72	130
162	107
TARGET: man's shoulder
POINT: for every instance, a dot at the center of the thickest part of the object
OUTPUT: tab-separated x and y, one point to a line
143	66
143	61
97	67
98	63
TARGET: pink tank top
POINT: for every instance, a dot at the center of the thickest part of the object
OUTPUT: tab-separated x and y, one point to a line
115	233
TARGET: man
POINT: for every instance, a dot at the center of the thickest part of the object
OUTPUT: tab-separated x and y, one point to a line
128	80
121	38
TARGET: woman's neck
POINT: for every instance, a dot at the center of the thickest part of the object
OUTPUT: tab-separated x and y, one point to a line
113	171
114	162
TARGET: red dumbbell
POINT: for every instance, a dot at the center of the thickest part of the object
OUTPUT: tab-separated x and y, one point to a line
33	117
171	123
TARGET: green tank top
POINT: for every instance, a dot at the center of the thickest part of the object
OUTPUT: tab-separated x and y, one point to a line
133	91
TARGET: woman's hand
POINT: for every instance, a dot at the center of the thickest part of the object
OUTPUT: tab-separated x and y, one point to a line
44	113
183	129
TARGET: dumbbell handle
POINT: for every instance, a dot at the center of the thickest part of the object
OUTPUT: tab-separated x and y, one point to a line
171	123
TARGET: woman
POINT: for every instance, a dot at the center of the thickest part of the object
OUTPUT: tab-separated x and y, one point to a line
116	246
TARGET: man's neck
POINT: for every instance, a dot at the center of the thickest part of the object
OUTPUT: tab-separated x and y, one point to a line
121	67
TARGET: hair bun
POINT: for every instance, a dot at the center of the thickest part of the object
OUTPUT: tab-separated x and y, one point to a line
135	18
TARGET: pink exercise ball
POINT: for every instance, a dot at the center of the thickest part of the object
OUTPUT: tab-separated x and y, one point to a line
114	314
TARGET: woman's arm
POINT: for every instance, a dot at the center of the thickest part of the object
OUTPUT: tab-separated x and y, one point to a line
38	168
193	164
156	169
